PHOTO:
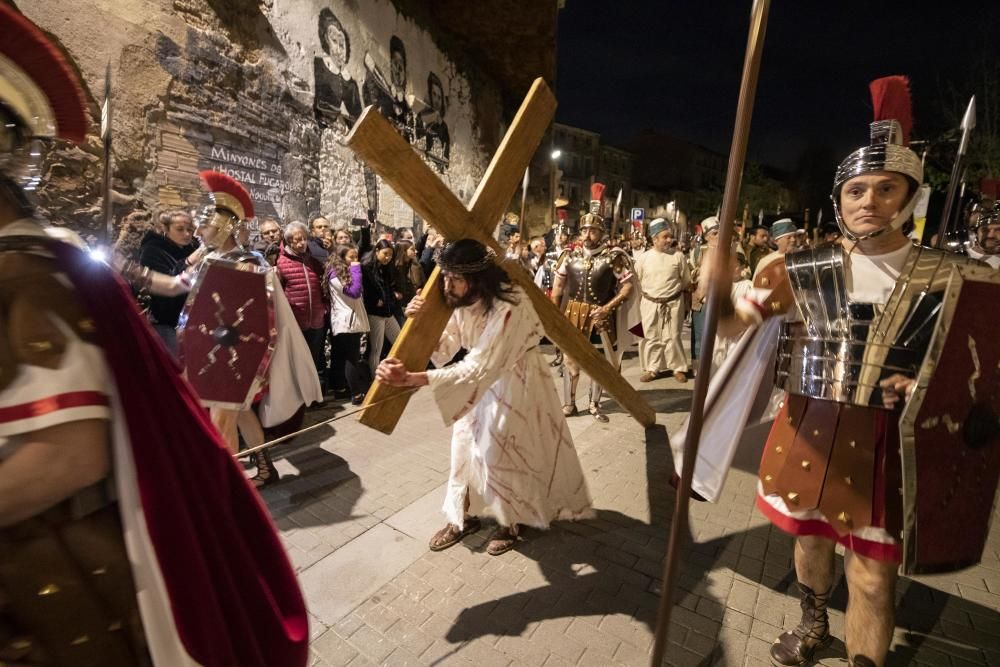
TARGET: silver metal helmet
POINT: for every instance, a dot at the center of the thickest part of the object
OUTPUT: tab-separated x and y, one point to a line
982	218
886	151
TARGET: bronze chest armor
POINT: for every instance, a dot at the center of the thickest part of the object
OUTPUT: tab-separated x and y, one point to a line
592	279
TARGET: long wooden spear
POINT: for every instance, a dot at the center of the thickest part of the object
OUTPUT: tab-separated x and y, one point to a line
524	203
107	211
718	293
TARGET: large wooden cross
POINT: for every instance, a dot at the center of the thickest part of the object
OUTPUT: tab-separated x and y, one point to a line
375	141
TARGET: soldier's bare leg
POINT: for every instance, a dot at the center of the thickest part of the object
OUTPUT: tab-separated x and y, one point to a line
814	558
871	587
225	422
253	435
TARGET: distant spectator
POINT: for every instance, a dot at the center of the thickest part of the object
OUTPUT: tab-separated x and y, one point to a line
404	234
270	240
702	260
342	237
428	244
348	321
513	244
168	253
409	275
537	249
830	234
319	244
759	246
381	297
301	276
785	236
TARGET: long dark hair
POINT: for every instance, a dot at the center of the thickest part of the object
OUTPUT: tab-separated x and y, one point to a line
402	260
488	285
337	267
371	259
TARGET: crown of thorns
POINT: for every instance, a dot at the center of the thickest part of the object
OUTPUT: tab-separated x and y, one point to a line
467	267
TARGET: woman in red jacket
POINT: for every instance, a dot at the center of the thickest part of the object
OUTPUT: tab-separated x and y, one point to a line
301	277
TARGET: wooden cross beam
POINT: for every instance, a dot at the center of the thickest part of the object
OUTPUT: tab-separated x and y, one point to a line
375	141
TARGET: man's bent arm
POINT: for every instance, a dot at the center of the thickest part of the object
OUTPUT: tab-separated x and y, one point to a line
52	465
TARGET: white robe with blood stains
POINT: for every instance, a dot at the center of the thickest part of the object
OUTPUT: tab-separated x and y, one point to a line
511	448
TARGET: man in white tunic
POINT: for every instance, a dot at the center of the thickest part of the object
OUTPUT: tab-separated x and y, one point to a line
511	451
664	277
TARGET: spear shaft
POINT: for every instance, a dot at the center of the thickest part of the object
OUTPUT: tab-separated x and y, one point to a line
107	214
717	293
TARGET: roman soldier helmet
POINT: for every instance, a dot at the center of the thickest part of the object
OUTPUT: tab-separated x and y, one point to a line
982	213
230	205
40	98
982	216
595	216
887	149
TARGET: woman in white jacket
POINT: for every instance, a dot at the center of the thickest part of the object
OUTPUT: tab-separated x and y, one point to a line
348	319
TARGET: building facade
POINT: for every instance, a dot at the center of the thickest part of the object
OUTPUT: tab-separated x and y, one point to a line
267	92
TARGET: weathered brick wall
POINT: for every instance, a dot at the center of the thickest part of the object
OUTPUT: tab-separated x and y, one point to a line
207	84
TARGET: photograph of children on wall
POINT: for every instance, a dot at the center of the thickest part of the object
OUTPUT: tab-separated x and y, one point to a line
431	127
388	95
337	102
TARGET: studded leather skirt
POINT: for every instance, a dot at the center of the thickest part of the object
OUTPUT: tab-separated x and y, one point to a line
66	592
840	460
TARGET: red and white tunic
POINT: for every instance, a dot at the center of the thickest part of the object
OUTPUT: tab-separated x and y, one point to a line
870	279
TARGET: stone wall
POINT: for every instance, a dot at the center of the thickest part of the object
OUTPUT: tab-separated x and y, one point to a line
265	91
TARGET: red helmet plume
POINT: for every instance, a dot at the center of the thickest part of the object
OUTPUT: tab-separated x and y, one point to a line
228	193
56	106
597	198
597	191
891	101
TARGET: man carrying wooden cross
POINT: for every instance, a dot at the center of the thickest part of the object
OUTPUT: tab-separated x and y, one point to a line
511	451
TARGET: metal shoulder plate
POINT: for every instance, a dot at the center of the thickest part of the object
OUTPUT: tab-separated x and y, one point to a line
32	297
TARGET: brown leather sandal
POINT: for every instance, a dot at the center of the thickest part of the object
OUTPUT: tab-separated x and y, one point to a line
451	534
504	539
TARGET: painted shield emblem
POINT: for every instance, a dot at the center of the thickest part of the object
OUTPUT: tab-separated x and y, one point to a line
227	332
951	433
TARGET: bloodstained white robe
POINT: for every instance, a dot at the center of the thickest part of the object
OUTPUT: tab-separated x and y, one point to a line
511	448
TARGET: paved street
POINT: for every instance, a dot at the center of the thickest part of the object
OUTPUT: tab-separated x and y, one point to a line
356	509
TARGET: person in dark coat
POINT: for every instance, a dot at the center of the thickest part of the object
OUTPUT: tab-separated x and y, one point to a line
171	253
409	276
381	297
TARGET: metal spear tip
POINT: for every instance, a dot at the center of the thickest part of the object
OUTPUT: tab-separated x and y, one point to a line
969	119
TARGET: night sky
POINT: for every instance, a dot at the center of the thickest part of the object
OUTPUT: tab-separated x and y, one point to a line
674	66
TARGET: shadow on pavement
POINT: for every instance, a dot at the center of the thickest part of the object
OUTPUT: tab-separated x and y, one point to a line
324	489
612	565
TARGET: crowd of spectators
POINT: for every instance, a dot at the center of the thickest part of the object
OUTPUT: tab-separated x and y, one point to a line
347	290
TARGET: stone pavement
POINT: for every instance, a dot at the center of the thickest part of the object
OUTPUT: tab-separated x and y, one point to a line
356	509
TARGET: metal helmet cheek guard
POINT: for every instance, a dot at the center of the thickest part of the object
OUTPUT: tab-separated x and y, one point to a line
887	151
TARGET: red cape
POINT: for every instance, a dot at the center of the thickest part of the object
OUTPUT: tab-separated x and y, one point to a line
233	592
